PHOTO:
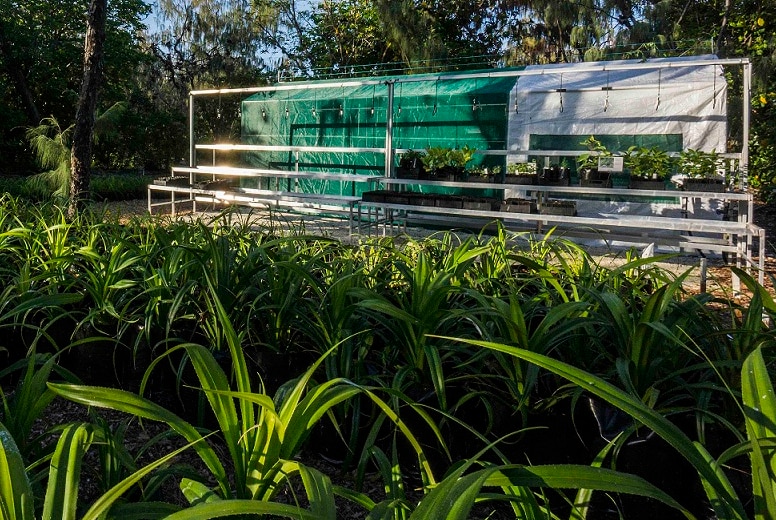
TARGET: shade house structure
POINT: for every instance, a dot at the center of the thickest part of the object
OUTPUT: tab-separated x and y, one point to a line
672	103
358	127
542	112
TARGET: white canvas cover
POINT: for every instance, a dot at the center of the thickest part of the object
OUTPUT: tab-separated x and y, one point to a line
690	101
654	99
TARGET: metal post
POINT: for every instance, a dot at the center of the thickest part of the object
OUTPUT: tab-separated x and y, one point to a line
703	269
747	102
389	130
192	155
192	145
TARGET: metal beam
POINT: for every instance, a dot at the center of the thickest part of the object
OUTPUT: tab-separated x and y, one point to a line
573	67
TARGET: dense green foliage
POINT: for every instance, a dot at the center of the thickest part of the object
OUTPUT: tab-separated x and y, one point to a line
105	187
153	61
402	359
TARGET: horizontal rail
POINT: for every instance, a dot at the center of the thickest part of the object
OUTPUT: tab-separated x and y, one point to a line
228	147
513	73
343	149
641	222
574	190
229	171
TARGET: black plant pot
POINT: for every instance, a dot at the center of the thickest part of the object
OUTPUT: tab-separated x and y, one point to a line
410	169
593	177
554	176
447	173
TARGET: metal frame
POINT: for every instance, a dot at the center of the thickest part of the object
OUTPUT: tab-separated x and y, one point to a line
393	81
743	230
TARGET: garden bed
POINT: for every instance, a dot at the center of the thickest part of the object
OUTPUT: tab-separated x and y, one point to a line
378	290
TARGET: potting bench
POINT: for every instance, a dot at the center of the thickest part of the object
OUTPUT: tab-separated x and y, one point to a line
676	232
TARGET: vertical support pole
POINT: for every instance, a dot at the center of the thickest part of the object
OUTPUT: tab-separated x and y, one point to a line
192	153
747	107
704	267
761	256
296	168
389	130
192	146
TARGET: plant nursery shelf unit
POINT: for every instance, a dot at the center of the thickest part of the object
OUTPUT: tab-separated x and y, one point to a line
734	237
186	186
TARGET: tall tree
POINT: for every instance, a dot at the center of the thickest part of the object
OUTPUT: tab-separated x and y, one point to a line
546	31
206	43
343	34
348	34
452	33
81	155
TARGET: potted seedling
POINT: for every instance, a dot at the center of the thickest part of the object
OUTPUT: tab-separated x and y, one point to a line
481	174
458	159
444	163
565	168
410	165
587	164
521	173
701	171
436	158
554	175
649	167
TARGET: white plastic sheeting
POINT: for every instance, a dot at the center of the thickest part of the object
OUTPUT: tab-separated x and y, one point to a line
655	98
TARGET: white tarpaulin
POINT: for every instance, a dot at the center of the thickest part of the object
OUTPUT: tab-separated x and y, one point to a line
561	105
565	100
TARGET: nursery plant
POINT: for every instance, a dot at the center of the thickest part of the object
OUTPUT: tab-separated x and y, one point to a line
589	161
648	163
262	435
697	164
411	158
61	497
443	162
759	411
411	164
428	303
209	303
521	173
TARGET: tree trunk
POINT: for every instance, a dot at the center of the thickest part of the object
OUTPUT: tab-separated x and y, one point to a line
81	156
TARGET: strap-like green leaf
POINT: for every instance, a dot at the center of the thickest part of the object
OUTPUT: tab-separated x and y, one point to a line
65	472
15	491
142	511
760	418
105	502
319	493
197	492
241	507
130	403
453	498
729	506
